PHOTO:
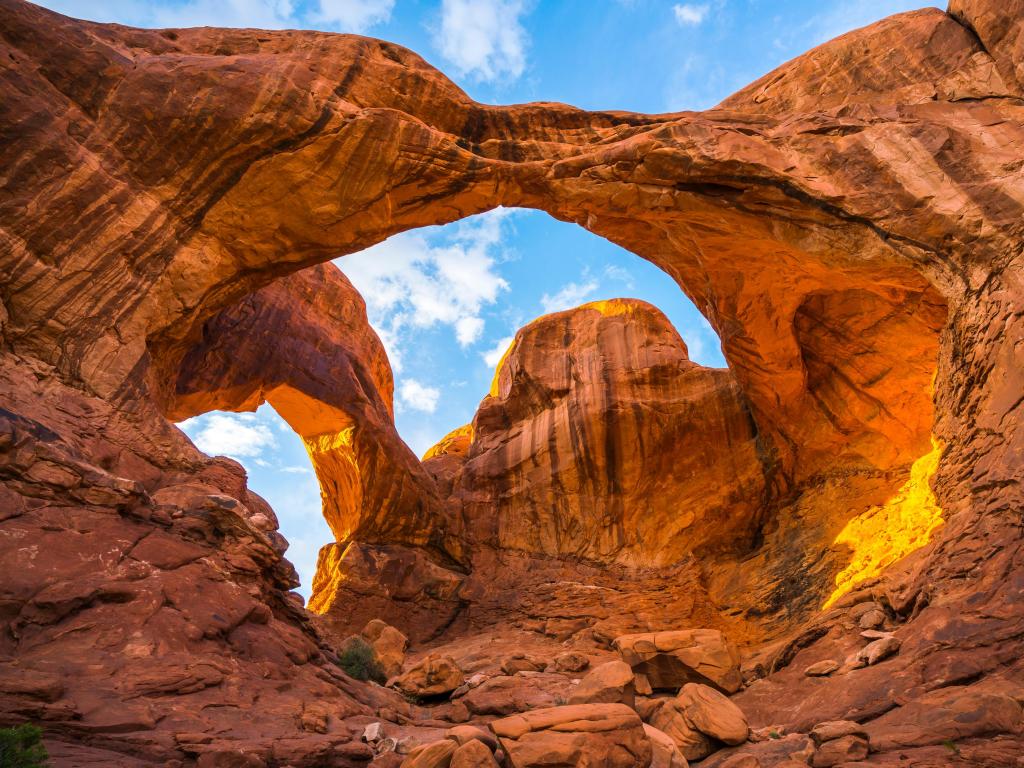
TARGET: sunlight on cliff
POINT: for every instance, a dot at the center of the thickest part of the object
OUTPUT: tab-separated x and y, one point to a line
495	390
337	468
327	580
456	440
612	307
883	535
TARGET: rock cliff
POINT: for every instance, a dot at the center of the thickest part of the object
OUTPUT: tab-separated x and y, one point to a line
851	225
600	440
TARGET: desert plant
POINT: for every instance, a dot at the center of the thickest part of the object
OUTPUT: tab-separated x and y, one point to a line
22	747
358	660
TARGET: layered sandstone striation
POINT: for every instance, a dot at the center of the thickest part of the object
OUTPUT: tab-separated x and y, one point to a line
601	440
851	225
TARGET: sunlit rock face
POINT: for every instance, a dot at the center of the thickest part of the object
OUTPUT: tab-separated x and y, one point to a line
602	440
851	225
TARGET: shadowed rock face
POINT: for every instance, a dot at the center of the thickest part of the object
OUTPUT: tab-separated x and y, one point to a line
851	225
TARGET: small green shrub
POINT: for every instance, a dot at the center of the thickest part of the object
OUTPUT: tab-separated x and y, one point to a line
359	661
22	747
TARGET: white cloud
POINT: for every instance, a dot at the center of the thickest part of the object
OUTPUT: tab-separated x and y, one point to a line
690	14
468	330
355	15
493	356
619	274
237	435
483	39
297	470
419	280
419	397
571	295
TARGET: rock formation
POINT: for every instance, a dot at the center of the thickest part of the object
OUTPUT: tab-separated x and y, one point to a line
601	440
851	225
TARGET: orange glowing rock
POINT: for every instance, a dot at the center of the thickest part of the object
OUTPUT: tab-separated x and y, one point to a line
882	535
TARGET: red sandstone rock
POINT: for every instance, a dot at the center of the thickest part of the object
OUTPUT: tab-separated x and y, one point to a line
585	735
608	683
565	461
665	752
850	224
713	714
473	754
388	645
669	660
434	676
670	718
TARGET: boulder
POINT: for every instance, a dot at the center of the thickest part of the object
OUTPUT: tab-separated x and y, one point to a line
878	650
433	676
843	750
821	668
671	719
436	754
506	695
713	714
389	646
373	733
669	660
608	683
582	735
473	754
520	662
873	619
571	661
463	734
836	729
665	752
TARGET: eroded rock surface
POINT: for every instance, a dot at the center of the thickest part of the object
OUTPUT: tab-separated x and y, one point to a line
600	439
851	224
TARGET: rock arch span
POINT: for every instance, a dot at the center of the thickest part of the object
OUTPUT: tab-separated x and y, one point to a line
156	178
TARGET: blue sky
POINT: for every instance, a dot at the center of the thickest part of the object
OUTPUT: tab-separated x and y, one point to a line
446	300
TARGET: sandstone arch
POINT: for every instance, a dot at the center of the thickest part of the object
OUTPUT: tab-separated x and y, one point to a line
154	179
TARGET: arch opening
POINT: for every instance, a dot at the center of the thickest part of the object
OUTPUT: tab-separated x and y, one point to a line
858	358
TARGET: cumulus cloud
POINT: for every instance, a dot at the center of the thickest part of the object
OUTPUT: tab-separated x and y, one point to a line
571	295
237	435
493	355
483	39
690	14
419	280
468	330
417	396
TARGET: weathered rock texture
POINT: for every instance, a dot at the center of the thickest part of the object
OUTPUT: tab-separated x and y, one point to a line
601	440
304	345
851	225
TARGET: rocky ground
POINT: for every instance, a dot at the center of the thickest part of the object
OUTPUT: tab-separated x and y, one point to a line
813	557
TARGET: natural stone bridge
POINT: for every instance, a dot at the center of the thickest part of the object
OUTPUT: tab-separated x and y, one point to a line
851	225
